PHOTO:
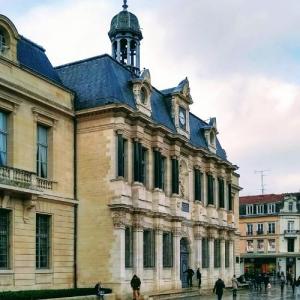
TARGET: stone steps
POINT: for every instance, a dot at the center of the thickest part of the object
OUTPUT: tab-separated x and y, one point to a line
171	294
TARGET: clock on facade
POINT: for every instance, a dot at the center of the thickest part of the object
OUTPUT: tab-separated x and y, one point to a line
182	117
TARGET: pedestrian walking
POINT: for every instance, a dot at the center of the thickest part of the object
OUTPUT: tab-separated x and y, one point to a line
298	287
218	288
198	274
266	281
235	286
282	282
294	285
135	285
190	274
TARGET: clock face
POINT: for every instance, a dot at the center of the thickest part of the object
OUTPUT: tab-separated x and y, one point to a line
182	116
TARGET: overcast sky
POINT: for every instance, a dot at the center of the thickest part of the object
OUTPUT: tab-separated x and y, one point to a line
242	59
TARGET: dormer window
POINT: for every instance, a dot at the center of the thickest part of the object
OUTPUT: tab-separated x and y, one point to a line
3	42
212	138
182	118
143	95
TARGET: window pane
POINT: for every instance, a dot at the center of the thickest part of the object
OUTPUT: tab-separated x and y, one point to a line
167	250
128	247
42	241
4	239
42	152
149	249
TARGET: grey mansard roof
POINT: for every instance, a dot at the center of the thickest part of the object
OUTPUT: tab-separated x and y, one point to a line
102	80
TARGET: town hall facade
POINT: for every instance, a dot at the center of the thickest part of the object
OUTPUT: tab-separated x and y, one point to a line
145	186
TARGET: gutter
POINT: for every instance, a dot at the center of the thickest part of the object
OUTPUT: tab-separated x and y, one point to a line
75	205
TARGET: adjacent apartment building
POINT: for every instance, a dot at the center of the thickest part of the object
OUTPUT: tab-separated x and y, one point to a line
270	233
104	176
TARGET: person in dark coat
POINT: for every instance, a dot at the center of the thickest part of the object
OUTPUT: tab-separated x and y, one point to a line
190	274
293	285
199	277
136	285
266	281
99	290
218	288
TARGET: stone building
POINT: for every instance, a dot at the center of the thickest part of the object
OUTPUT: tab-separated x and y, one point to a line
155	190
270	233
36	181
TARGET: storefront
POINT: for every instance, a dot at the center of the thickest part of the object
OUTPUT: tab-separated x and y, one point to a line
260	265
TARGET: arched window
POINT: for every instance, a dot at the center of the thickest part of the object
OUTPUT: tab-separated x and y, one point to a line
3	43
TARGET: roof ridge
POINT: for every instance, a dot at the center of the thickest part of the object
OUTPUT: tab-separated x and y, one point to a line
33	43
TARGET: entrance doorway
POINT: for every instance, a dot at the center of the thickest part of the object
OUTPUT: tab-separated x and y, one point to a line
184	261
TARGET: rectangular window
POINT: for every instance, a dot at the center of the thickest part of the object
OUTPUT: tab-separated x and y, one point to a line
205	253
271	228
3	138
260	246
139	162
249	247
290	226
221	192
290	206
226	254
159	170
271	246
128	247
197	184
271	208
259	209
260	228
149	248
249	209
290	245
122	154
230	204
4	239
249	229
42	241
42	151
175	176
167	250
217	253
210	189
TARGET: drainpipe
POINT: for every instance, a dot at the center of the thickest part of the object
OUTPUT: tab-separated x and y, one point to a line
76	204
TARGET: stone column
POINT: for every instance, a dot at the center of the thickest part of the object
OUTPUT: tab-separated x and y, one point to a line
211	260
138	250
231	258
158	257
138	55
222	271
198	247
176	258
128	52
118	50
118	251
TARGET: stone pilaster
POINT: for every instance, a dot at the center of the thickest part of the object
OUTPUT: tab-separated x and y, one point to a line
222	271
198	246
158	256
176	258
138	250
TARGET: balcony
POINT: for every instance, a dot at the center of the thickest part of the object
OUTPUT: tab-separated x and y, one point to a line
291	233
23	181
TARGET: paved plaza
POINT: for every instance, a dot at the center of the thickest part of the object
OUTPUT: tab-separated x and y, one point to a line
246	294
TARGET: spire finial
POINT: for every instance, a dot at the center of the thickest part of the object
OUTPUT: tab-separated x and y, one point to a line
125	6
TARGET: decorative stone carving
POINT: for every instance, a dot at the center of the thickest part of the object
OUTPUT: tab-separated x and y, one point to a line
28	205
5	200
119	218
138	222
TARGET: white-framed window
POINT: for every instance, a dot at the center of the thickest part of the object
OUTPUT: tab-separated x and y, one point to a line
290	226
259	209
260	245
249	246
271	245
271	228
249	229
271	208
260	228
249	209
290	206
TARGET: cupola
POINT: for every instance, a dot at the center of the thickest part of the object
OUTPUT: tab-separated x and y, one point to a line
125	35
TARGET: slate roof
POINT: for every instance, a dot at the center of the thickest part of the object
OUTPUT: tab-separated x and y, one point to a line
33	57
102	80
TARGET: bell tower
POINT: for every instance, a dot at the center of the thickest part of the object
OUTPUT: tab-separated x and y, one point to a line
125	35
